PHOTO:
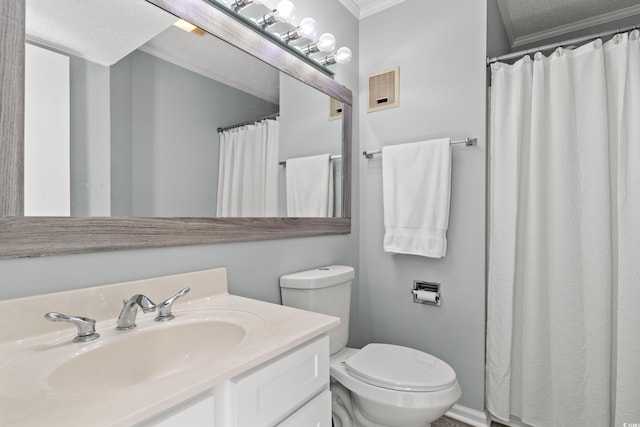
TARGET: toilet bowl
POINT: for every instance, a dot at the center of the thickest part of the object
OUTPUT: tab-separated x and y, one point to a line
380	385
393	404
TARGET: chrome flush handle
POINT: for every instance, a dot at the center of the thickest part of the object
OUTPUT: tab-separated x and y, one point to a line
86	326
164	308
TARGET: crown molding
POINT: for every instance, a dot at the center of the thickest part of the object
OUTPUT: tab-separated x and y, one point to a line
361	8
605	18
373	7
352	7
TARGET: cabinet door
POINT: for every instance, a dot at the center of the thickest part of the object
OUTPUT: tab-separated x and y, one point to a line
271	392
316	413
197	412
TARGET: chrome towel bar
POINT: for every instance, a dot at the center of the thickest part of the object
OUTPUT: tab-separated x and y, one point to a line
467	141
333	157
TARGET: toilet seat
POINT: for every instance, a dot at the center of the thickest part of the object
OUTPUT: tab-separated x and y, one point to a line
386	396
400	368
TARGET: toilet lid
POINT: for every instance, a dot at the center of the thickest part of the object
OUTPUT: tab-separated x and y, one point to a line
400	368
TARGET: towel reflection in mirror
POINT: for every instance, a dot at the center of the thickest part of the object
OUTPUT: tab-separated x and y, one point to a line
310	186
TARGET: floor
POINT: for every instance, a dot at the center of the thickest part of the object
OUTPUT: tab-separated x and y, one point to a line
450	422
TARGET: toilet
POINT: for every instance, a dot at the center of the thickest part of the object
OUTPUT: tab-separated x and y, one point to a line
380	384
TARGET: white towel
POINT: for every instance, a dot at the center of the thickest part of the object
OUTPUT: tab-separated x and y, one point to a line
416	188
310	186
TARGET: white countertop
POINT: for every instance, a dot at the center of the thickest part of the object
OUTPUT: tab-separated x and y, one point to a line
281	329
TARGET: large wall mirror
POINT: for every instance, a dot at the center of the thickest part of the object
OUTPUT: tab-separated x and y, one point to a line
142	120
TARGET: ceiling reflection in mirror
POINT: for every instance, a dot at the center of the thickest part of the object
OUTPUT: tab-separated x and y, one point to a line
146	100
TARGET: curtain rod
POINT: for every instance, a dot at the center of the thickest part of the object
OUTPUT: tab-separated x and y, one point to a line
562	43
248	122
332	157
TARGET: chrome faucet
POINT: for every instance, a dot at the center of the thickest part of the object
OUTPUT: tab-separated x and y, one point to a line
164	308
127	317
86	326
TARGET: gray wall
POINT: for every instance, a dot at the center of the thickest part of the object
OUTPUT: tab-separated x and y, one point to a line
439	46
497	40
89	138
121	139
174	118
254	267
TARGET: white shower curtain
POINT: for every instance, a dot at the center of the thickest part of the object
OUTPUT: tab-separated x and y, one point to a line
248	171
563	319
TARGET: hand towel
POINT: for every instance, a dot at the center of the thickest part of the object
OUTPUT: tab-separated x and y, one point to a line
416	187
310	186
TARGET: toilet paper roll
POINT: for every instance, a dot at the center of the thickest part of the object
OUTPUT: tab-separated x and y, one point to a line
426	296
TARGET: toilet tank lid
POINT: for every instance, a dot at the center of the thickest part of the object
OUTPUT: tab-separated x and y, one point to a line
322	277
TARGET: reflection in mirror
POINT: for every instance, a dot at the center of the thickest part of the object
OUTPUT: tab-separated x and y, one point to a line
308	129
139	135
41	236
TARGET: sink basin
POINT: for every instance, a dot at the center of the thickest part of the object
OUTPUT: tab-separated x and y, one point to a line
151	354
125	358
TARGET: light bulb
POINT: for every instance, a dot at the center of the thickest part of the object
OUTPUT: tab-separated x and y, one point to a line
326	42
286	11
343	55
309	27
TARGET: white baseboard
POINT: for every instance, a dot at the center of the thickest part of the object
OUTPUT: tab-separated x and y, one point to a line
470	416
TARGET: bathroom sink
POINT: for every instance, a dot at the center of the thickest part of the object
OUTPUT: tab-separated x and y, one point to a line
119	359
148	355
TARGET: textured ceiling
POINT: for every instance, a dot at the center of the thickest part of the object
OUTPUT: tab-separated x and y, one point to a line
102	31
203	54
528	21
105	31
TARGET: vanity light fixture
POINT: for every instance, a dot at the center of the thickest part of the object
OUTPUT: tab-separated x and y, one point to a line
296	37
308	28
189	27
237	5
285	11
326	43
342	56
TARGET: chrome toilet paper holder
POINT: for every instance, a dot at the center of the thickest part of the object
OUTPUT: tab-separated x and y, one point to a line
431	288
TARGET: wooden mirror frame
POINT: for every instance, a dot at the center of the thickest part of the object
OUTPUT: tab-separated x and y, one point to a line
22	236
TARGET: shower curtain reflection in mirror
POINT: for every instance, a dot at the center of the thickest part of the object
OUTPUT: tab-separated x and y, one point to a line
248	171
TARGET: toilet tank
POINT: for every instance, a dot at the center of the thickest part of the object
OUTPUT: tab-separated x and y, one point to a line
324	290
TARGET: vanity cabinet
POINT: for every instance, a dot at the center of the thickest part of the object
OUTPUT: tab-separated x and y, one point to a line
288	391
316	413
197	412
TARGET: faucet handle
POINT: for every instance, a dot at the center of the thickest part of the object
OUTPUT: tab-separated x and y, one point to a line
86	326
164	308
